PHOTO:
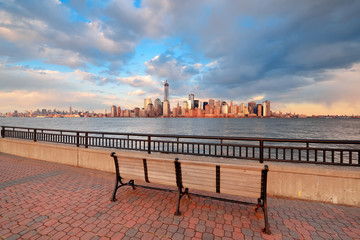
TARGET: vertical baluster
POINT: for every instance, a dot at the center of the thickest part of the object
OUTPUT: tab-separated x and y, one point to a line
324	156
332	156
307	152
261	151
86	140
221	145
35	135
284	153
316	155
350	157
341	156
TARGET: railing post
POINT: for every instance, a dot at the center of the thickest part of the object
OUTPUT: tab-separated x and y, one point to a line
221	147
149	144
307	151
77	139
2	132
177	144
261	151
86	140
34	135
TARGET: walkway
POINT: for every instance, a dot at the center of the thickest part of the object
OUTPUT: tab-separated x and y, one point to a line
41	200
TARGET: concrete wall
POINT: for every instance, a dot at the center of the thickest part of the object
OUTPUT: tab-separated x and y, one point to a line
332	184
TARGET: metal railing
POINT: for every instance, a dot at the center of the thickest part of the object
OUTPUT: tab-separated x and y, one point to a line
333	152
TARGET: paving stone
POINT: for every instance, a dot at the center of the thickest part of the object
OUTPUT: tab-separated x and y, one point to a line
208	236
42	200
131	232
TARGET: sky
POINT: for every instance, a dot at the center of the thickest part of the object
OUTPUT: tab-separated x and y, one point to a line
303	56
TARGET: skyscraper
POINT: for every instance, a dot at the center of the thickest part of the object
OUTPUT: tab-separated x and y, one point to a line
158	107
113	111
166	91
259	110
211	102
147	101
191	99
266	108
166	109
251	107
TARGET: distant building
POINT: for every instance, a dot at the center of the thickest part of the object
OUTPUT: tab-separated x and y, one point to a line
113	111
166	109
233	109
259	110
204	105
266	108
251	107
212	102
192	101
166	91
150	110
158	107
147	101
225	109
196	104
136	112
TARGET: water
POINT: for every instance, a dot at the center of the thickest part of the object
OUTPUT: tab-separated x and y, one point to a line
312	128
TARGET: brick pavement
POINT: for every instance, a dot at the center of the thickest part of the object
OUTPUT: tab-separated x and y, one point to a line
41	200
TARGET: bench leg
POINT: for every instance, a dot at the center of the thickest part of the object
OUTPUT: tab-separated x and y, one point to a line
263	205
180	195
267	228
119	184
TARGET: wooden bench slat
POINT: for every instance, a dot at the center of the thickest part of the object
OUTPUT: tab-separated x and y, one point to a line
225	165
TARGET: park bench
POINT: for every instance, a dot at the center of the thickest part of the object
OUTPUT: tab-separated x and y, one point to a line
246	181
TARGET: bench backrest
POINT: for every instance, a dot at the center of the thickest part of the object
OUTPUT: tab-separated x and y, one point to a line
212	177
222	178
153	170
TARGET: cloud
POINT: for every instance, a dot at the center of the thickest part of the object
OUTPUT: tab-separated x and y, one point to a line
285	51
280	45
22	100
46	30
137	92
26	78
176	71
137	81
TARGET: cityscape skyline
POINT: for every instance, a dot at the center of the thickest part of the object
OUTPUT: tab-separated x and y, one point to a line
192	108
303	56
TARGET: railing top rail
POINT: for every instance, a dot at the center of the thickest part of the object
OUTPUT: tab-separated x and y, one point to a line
196	136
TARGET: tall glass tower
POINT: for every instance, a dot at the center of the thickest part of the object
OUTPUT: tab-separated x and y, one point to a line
166	91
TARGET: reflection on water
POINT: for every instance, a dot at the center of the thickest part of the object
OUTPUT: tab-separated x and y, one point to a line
340	129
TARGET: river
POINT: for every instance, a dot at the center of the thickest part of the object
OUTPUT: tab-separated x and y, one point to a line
310	128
